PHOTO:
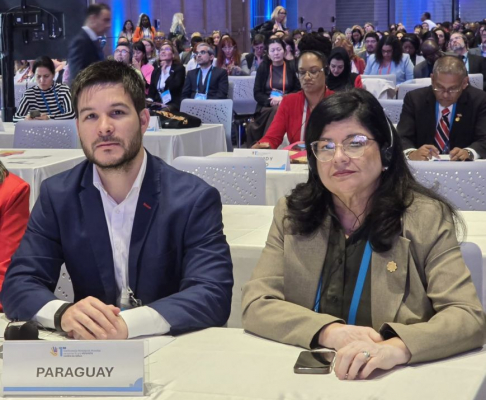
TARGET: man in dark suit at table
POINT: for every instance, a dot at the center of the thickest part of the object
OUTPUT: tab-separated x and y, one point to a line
448	117
143	243
431	52
474	64
206	81
85	48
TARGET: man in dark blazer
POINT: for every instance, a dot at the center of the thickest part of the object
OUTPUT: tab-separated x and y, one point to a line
474	64
142	242
196	85
431	52
371	40
85	48
462	106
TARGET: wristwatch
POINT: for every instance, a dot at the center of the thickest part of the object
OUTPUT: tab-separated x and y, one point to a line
471	154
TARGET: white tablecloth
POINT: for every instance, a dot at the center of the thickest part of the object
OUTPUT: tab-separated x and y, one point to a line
280	183
164	143
35	165
246	228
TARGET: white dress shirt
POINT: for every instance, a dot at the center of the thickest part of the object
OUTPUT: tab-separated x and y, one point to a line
119	218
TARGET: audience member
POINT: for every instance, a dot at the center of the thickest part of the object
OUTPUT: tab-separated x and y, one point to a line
53	100
443	37
229	57
207	81
85	48
474	64
191	53
368	27
448	117
150	50
389	59
177	29
313	41
290	49
357	64
362	205
427	19
275	78
481	50
340	76
418	30
14	214
123	53
158	40
297	35
411	46
278	22
295	109
127	31
431	52
140	62
371	40
252	61
348	34
134	233
168	78
357	39
144	29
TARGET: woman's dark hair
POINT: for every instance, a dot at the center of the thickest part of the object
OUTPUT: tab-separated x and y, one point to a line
141	47
3	172
343	80
397	51
447	37
309	202
430	35
414	41
289	41
140	21
360	36
313	41
178	44
276	40
125	25
46	62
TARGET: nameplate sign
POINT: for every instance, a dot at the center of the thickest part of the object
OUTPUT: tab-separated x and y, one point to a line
275	159
81	367
153	124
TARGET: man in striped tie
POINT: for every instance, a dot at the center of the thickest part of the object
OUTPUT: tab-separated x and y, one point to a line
448	117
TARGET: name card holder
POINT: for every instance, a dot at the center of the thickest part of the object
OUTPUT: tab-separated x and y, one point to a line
275	159
82	367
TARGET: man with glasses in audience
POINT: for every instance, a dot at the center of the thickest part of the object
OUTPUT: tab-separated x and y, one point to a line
448	117
371	40
158	40
206	82
123	53
191	53
474	64
142	242
431	52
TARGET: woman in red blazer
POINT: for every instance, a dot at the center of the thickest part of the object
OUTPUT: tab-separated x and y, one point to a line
295	109
14	213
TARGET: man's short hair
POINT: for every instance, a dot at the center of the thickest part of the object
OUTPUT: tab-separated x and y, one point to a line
372	34
210	49
450	65
95	9
110	73
427	15
196	39
128	47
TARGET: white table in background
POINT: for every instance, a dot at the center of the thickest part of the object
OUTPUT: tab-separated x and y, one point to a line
164	143
246	229
35	165
280	183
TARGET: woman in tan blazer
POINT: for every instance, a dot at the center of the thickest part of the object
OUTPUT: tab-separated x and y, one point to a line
362	258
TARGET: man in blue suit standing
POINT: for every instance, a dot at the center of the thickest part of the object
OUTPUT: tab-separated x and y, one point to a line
85	47
142	242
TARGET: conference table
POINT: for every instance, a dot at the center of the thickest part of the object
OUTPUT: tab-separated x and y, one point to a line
225	363
246	229
164	143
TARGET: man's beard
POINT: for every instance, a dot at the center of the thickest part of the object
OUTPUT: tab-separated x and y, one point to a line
124	162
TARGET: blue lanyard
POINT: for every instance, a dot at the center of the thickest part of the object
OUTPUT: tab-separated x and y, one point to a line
207	80
451	121
57	101
358	288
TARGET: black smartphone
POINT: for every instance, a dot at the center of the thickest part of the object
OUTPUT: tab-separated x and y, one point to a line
315	362
34	113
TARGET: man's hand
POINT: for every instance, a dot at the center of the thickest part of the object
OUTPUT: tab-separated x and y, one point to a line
337	336
263	145
424	153
458	154
91	319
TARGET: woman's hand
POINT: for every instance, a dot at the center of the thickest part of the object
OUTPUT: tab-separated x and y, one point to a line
136	64
42	117
258	145
360	358
275	101
336	335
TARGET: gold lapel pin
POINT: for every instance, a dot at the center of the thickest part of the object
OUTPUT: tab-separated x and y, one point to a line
458	118
391	266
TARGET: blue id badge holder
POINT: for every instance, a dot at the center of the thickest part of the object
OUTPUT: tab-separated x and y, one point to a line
201	96
166	97
276	93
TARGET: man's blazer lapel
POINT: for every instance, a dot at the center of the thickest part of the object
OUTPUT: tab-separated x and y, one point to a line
96	229
387	284
147	206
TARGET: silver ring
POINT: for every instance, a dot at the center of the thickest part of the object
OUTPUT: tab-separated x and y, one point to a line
367	355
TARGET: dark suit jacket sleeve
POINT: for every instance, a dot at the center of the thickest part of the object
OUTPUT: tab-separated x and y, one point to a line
205	288
259	92
479	144
407	125
223	85
81	54
31	279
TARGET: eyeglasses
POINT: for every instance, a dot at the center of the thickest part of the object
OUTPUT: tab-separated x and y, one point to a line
259	47
448	91
228	48
312	74
122	52
353	147
202	52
